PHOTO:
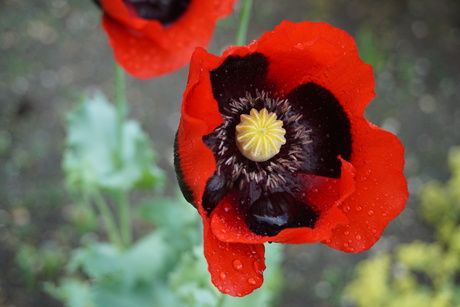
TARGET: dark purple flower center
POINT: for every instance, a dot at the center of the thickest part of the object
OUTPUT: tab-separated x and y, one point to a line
273	195
165	11
271	213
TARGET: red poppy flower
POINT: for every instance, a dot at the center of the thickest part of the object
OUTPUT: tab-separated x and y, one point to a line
273	146
151	37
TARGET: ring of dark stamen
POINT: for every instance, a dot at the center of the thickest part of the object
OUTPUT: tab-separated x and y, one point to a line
238	171
229	160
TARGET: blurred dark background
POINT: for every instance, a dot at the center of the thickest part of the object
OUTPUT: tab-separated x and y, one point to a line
52	51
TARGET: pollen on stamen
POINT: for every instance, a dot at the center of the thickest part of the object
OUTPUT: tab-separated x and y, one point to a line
260	135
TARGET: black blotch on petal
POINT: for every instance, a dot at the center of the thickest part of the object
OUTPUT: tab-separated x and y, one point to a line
216	189
237	76
273	212
331	129
188	194
164	11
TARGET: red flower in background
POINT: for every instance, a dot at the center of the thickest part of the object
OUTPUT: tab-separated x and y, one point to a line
152	37
273	146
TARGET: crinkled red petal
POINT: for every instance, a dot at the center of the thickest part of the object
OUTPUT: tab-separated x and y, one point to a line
147	49
381	188
236	269
326	195
333	62
139	55
317	52
200	116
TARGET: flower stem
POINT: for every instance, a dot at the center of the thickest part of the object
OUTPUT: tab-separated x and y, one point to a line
108	218
123	206
125	218
121	106
243	23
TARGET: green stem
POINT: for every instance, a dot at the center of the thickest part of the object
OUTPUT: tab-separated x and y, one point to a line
120	101
124	214
243	23
108	218
125	218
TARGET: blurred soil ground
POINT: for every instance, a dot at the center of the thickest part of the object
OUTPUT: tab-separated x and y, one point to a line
52	51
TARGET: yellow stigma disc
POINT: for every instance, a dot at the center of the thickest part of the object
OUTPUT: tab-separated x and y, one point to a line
259	135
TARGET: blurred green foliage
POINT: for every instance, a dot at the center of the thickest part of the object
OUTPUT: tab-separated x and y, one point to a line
419	273
165	267
93	159
36	263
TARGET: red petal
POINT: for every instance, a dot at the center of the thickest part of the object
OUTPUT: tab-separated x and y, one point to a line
317	52
200	116
236	269
118	10
147	49
140	56
228	225
381	189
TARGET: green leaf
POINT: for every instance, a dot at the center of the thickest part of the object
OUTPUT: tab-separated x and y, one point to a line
73	292
150	294
154	273
169	213
151	256
191	282
176	219
92	158
98	260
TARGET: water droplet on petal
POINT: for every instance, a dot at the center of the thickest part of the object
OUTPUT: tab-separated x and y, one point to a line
370	212
359	208
226	290
222	275
251	281
346	233
237	265
358	237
